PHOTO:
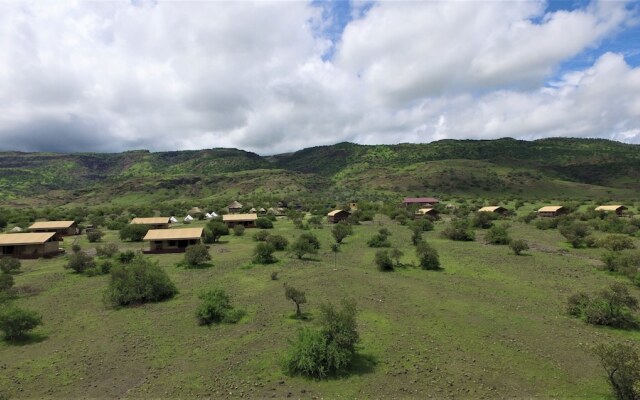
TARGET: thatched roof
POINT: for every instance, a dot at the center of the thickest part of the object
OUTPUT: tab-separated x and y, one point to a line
611	208
52	225
334	212
150	221
13	239
420	200
195	210
174	234
239	217
235	205
491	209
550	209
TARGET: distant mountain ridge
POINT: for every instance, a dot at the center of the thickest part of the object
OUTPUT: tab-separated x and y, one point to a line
569	167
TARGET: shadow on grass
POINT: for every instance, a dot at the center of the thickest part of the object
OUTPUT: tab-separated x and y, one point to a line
362	364
27	339
305	316
199	266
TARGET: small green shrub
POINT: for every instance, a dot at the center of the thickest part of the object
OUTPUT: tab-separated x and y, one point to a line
613	306
238	230
340	231
9	265
459	230
215	230
264	223
482	220
616	242
196	254
126	256
498	234
94	235
140	281
621	363
278	242
108	250
383	261
428	256
16	322
575	232
263	253
303	245
6	282
216	308
518	246
80	262
296	296
261	236
378	240
134	232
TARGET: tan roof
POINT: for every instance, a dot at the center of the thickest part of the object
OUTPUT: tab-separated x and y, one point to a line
173	234
151	220
239	217
610	208
52	225
424	210
235	204
25	238
490	209
550	208
334	212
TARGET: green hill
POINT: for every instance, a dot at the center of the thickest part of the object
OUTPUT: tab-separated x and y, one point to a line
568	168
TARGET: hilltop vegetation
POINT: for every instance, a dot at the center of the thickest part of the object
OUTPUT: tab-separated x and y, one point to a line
563	168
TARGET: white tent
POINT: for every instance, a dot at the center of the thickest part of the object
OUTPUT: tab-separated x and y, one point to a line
16	229
188	218
208	216
213	214
173	220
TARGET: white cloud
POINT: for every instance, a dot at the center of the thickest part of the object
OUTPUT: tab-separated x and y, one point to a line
111	76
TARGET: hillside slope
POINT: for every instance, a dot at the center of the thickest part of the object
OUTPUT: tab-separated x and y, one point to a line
571	168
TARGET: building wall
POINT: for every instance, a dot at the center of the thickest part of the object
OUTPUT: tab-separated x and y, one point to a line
31	250
171	245
247	224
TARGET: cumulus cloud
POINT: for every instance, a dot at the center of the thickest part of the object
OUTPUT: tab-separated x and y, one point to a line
77	76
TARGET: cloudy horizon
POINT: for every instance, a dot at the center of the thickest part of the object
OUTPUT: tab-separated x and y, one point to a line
275	77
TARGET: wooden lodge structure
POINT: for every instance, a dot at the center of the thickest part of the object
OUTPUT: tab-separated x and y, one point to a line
153	222
419	201
60	228
234	207
247	220
336	216
30	245
617	209
493	209
426	212
551	211
172	240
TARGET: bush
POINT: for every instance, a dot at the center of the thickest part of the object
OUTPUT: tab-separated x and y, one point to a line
498	234
613	306
296	296
140	281
264	223
483	220
459	230
215	230
547	223
621	363
6	282
304	245
216	308
196	254
9	264
425	224
260	236
616	242
428	256
95	235
263	253
238	230
396	254
126	256
329	350
108	250
575	233
134	232
383	260
75	248
518	246
340	231
416	235
16	322
378	240
278	242
80	262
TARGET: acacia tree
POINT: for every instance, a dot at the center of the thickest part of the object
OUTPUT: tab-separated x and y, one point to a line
341	231
295	295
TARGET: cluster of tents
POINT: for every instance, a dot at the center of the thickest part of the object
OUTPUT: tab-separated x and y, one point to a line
189	218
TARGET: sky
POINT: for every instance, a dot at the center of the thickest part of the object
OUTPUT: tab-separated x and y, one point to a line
274	77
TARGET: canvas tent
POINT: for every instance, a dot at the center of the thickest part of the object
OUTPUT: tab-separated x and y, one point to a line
188	218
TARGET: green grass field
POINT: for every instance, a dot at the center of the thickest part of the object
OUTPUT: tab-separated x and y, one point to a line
489	325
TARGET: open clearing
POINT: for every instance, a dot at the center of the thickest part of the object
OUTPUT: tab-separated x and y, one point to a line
490	325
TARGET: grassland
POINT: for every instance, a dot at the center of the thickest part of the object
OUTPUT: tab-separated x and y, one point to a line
489	325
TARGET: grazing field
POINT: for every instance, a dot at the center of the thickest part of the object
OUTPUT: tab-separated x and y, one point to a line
490	324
